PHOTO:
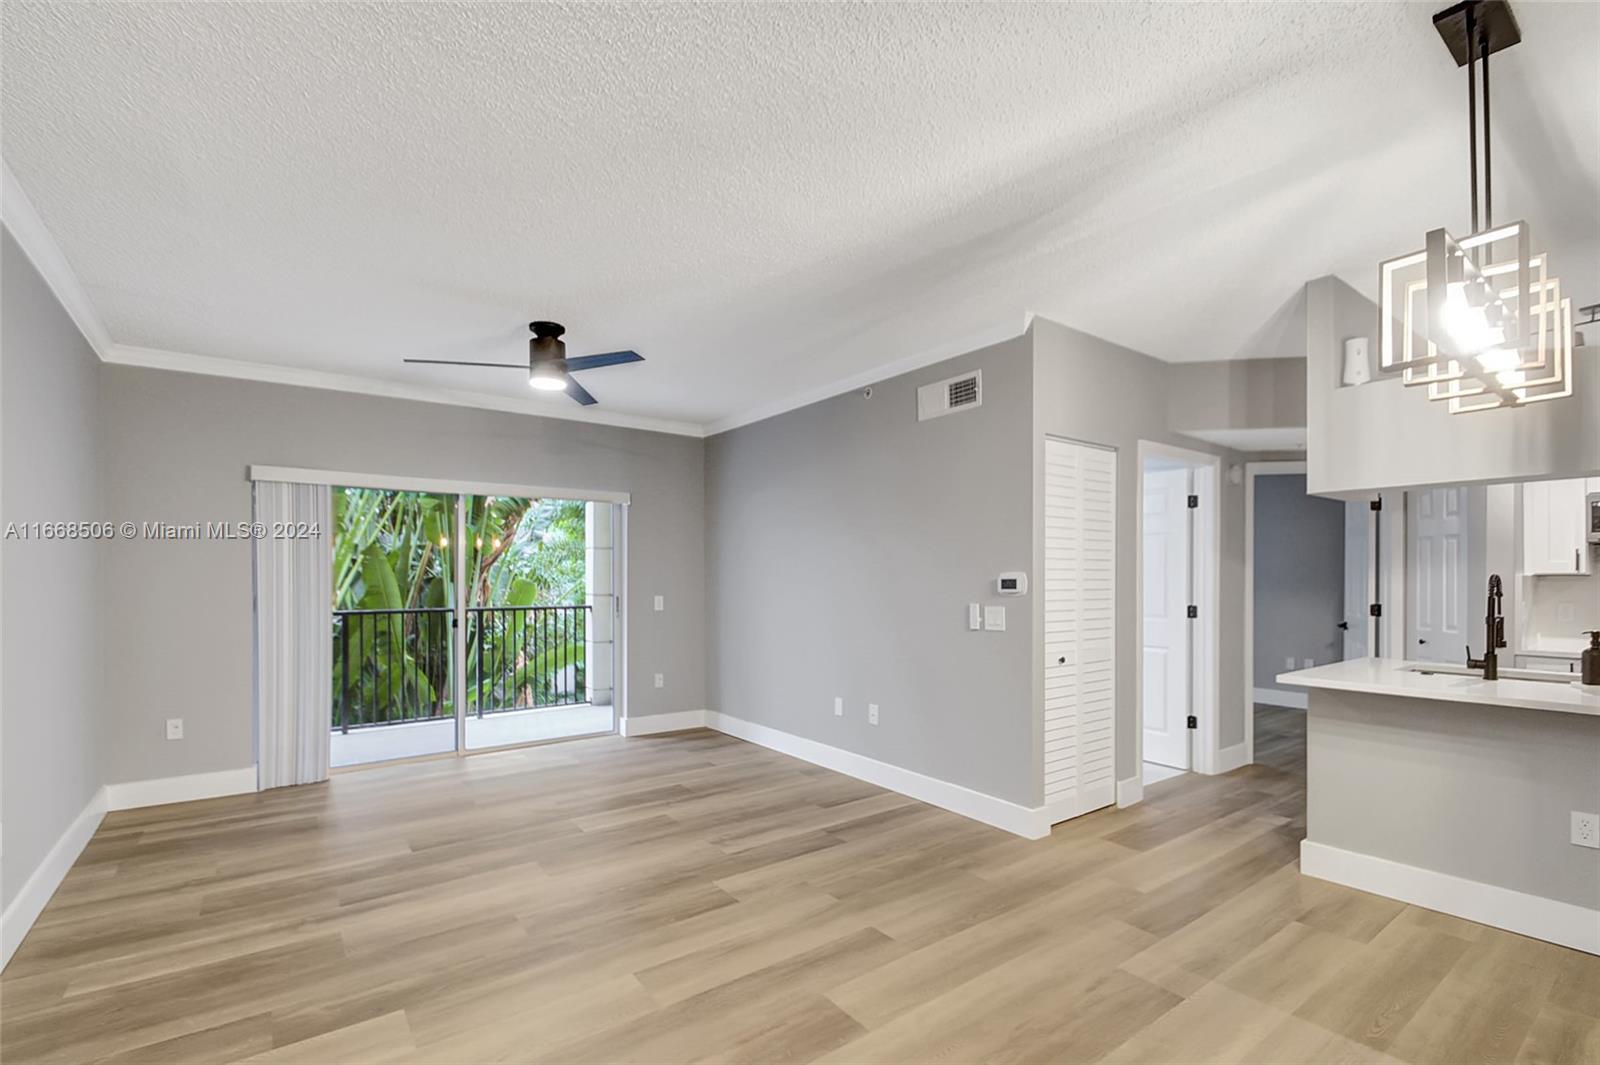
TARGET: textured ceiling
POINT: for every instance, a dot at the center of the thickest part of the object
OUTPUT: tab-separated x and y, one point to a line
762	199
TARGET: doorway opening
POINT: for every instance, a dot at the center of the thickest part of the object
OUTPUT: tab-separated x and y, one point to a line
464	622
1317	585
1179	537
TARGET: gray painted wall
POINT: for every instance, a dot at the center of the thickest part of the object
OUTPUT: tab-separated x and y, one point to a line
1384	768
844	542
175	447
1383	434
1299	579
1089	389
1252	394
49	732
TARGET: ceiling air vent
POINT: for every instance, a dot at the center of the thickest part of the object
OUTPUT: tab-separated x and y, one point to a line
949	396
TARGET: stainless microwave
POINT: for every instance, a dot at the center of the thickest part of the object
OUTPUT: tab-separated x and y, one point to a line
1593	512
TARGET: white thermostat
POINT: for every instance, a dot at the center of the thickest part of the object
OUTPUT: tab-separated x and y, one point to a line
1015	583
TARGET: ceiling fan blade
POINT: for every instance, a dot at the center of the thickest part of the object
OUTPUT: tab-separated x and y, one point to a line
455	362
579	393
609	358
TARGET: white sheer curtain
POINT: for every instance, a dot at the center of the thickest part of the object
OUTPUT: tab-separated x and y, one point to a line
294	645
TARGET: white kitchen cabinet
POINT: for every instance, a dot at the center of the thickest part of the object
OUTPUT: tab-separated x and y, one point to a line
1553	527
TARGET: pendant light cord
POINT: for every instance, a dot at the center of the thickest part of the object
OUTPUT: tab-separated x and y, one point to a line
1488	172
1472	109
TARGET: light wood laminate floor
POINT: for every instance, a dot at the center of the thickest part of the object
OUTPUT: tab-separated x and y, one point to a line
694	897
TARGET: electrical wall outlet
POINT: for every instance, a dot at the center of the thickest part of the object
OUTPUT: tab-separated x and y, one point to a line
838	706
661	602
661	682
1308	663
872	713
1288	664
174	728
1585	830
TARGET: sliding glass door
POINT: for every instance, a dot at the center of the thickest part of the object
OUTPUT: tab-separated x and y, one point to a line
529	621
393	647
465	622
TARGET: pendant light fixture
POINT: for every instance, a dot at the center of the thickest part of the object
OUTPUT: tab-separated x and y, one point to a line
1476	320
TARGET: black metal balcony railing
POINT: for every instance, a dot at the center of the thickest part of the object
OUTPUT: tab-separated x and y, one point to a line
393	666
522	658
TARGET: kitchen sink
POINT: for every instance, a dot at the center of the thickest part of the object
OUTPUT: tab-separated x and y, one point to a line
1451	670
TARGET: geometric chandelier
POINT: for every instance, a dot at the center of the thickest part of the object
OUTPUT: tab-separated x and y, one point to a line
1477	321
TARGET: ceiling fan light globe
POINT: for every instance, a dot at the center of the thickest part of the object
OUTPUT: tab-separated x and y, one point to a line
547	380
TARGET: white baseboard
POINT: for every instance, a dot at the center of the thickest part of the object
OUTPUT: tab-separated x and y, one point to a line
42	883
1230	758
136	793
1515	911
650	724
1029	822
1130	791
1279	697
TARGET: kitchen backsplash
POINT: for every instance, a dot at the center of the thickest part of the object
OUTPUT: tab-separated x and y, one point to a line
1560	608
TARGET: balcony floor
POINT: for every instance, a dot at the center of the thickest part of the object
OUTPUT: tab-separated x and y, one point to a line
384	743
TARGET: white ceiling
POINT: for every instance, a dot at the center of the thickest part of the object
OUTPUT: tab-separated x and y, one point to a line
765	200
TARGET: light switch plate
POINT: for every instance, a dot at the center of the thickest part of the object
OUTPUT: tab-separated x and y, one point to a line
994	618
974	617
661	602
838	706
1308	663
174	728
661	681
872	713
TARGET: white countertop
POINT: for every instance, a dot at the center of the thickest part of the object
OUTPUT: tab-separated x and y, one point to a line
1387	676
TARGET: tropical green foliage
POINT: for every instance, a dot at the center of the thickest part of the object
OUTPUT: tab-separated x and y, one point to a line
393	552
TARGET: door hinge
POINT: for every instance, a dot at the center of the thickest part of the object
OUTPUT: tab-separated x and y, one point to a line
1376	610
455	622
1194	611
1194	502
1194	722
1377	504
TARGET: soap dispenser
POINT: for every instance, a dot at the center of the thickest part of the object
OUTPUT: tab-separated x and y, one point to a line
1591	658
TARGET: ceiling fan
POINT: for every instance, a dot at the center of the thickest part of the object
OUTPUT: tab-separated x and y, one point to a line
549	369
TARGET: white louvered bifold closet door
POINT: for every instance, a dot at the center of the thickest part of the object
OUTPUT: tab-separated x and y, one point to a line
1080	507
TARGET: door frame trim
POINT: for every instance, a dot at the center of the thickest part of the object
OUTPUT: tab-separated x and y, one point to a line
1205	697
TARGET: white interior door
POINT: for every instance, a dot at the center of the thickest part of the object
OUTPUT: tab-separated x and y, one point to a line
1165	657
1436	560
1080	494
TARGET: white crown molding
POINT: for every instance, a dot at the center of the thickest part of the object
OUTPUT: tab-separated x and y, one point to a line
961	345
182	362
20	217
